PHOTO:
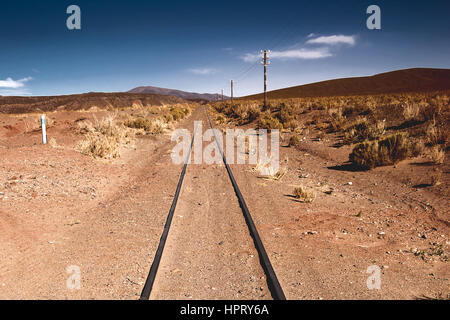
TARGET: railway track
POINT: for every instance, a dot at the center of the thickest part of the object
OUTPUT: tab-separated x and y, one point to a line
272	282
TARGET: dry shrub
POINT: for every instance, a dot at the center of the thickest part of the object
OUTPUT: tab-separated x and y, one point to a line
386	151
187	111
253	114
292	125
154	126
177	113
158	126
85	126
99	146
272	175
304	195
285	115
321	125
139	123
269	122
436	178
52	143
432	112
104	138
168	118
437	155
416	148
277	176
362	130
411	111
294	141
221	119
337	120
347	111
321	135
435	134
335	112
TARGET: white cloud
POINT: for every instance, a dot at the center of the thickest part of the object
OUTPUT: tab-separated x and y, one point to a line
333	40
202	71
291	54
302	54
14	84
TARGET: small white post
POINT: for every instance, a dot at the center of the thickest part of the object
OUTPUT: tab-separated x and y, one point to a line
44	130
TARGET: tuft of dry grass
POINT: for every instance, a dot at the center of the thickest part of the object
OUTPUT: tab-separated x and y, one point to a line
337	120
52	143
294	141
362	130
416	148
104	138
253	113
269	122
220	119
277	176
436	178
99	146
435	135
385	151
154	126
437	155
304	195
411	111
273	176
139	123
158	126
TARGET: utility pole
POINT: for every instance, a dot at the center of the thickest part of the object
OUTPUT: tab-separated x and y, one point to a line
222	95
231	91
265	63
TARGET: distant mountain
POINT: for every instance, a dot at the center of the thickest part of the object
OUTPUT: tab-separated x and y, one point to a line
409	80
176	93
83	102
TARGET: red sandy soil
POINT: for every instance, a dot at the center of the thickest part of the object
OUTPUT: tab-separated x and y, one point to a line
322	250
59	208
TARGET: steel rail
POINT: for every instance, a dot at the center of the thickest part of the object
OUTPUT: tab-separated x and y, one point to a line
146	291
272	280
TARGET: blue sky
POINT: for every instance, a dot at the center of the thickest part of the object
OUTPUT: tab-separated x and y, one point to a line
200	45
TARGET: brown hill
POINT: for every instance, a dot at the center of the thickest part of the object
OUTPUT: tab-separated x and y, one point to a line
82	101
409	80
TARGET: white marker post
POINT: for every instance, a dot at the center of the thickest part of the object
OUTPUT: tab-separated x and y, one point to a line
44	130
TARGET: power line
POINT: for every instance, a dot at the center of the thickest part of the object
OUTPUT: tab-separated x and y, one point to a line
276	41
265	63
231	91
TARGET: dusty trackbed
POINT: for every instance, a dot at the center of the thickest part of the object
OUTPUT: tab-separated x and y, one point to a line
273	284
